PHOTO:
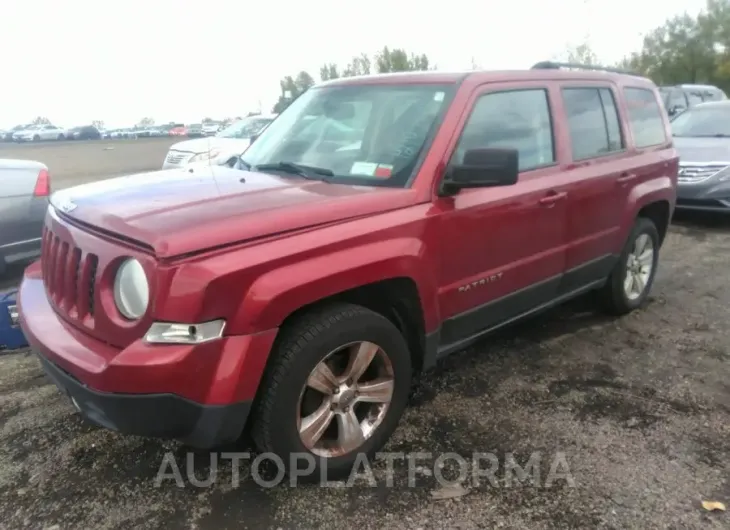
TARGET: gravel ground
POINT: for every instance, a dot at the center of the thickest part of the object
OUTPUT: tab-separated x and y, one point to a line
76	162
640	408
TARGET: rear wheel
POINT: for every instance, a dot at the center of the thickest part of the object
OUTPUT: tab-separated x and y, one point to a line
36	138
61	137
630	282
336	387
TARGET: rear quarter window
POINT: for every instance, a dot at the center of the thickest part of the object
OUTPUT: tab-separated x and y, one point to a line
645	117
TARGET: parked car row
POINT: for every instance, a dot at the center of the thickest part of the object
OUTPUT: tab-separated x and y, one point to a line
47	132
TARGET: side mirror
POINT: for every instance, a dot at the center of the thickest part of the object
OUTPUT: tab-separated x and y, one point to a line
482	168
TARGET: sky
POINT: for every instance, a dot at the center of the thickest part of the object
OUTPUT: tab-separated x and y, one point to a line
173	60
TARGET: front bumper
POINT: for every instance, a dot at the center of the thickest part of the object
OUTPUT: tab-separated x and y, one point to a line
709	196
157	415
200	394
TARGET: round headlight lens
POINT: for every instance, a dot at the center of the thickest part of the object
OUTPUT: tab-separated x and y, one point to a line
131	290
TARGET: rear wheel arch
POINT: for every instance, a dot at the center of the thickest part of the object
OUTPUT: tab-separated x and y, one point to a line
658	212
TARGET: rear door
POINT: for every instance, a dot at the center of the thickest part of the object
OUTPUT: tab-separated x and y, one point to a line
600	170
653	157
502	248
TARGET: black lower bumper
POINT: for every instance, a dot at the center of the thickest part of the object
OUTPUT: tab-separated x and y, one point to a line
155	415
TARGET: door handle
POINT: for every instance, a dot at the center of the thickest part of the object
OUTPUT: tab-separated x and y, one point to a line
626	177
552	198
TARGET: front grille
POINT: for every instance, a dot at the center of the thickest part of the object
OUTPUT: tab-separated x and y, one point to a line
69	275
177	157
692	174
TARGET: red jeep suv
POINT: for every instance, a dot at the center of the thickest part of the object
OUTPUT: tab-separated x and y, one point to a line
377	225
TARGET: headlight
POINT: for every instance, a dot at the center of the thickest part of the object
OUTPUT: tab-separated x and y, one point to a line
200	157
131	290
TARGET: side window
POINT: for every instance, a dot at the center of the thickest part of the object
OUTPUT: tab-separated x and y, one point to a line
645	117
678	100
694	98
593	122
516	119
613	124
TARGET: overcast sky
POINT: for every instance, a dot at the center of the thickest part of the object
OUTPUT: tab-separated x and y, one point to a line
79	60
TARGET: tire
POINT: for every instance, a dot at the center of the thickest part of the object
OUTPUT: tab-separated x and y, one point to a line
614	296
61	137
284	392
36	138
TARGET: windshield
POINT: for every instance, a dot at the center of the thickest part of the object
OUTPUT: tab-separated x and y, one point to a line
245	128
360	134
702	122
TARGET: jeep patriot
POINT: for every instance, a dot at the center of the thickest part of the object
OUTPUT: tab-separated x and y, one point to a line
379	224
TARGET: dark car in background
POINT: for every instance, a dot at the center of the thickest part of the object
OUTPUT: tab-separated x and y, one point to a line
679	98
8	135
84	132
702	139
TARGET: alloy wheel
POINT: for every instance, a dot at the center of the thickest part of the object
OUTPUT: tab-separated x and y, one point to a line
639	267
345	399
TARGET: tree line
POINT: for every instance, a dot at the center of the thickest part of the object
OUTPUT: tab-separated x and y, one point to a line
386	60
687	49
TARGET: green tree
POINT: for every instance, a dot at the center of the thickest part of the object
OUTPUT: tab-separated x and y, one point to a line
329	71
581	54
99	124
688	49
397	60
358	66
291	89
146	122
41	120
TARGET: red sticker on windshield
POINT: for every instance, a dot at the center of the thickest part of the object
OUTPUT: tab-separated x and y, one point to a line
383	171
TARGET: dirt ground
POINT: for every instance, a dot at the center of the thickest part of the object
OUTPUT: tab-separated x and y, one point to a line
71	163
639	406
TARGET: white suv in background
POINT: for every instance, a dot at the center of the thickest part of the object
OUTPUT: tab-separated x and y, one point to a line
218	149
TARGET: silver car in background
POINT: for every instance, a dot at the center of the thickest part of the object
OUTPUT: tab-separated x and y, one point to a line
702	139
25	187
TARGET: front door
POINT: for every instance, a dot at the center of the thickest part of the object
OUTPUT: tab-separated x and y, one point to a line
502	248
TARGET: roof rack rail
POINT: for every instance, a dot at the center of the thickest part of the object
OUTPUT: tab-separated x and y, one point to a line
551	65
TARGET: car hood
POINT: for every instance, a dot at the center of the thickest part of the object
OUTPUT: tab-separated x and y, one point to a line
702	149
203	145
177	212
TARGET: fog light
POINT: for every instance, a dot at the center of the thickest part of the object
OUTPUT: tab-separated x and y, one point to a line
179	333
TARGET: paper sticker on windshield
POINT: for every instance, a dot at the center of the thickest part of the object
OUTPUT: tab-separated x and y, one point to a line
383	171
438	96
364	168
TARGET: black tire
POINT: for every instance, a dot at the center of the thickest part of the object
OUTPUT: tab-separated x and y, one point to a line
36	138
301	346
612	296
61	137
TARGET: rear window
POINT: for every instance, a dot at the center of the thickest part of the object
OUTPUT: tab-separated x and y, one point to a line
645	117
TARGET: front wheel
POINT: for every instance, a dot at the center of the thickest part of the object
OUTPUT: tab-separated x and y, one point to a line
336	387
630	282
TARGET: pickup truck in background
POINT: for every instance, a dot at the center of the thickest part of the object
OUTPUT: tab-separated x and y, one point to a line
25	186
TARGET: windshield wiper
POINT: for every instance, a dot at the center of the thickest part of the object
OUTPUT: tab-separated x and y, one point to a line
308	172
